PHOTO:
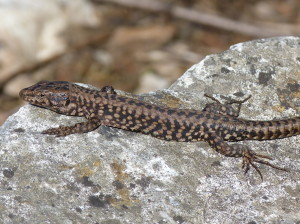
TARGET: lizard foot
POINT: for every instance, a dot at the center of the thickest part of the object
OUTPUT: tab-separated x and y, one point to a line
58	132
250	158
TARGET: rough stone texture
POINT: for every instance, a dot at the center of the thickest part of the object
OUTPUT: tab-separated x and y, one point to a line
113	176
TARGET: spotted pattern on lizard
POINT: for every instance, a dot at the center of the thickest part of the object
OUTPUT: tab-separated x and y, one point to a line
216	124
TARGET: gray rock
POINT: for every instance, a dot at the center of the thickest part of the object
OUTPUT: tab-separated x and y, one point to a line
113	176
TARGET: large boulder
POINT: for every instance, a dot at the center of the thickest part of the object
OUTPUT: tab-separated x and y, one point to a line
114	176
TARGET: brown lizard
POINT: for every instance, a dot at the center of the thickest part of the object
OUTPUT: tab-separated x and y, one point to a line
216	124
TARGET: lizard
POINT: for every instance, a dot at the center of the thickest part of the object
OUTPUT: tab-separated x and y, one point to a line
217	124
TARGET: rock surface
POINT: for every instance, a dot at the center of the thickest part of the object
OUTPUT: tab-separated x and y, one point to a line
113	176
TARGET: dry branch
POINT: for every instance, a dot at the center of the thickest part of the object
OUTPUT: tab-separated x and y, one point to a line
206	19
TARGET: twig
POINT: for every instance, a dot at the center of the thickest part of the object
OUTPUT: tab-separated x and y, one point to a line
204	18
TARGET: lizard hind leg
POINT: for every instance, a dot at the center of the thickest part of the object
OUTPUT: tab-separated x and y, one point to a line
250	158
226	108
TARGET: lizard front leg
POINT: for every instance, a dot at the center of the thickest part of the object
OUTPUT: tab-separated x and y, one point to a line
239	151
82	127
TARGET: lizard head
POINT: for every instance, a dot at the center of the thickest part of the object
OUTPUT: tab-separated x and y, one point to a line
55	96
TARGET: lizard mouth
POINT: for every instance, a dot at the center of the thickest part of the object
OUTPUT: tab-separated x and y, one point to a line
24	95
29	96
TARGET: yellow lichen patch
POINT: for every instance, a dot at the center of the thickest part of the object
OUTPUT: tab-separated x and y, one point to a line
97	163
171	101
295	94
278	108
119	184
87	169
66	167
118	170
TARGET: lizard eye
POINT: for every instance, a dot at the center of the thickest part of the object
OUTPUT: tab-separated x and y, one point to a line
59	99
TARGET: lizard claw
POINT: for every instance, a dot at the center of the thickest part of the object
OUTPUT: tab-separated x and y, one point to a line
250	158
